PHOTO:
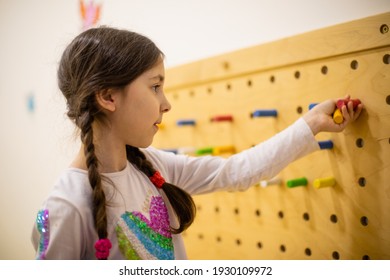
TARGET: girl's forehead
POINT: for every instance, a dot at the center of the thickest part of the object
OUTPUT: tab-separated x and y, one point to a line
156	72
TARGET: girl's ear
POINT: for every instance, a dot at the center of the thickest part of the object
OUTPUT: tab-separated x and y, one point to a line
106	99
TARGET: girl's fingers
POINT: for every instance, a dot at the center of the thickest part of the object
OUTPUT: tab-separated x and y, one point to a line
349	113
345	110
358	111
347	97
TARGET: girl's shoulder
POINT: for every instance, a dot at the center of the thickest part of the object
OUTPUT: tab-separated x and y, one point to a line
164	161
71	188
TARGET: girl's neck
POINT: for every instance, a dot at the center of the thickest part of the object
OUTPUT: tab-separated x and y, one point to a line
107	163
111	157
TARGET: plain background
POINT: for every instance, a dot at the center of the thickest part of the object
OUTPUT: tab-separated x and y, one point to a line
37	140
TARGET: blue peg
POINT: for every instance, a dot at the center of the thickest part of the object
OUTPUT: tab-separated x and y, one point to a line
264	113
328	144
186	122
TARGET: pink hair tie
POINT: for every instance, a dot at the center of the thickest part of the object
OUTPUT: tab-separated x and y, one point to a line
157	180
102	247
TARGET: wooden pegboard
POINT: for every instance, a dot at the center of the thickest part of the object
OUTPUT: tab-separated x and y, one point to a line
350	220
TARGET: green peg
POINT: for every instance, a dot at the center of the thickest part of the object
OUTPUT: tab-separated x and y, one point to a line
299	182
204	151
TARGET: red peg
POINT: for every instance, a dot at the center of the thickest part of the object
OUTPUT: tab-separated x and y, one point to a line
341	102
222	118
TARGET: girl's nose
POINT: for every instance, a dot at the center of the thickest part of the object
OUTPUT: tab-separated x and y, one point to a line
165	105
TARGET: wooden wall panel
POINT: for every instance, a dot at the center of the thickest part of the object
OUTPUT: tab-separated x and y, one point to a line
350	220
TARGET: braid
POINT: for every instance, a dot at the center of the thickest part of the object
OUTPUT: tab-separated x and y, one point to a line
99	198
182	203
135	156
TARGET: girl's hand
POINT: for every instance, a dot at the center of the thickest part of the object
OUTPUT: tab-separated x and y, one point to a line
320	117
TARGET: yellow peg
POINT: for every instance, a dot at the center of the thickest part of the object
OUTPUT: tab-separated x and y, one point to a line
324	182
338	116
161	126
223	149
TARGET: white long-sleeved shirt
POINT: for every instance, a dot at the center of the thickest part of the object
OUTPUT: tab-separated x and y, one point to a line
139	215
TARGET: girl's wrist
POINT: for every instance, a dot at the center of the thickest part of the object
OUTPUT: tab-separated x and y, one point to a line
313	123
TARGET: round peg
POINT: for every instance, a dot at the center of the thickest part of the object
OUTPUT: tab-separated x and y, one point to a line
204	151
189	122
223	150
298	182
328	144
264	113
272	182
324	182
338	116
222	118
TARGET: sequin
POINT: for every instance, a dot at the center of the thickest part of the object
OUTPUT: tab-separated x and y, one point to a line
43	229
140	237
130	246
124	244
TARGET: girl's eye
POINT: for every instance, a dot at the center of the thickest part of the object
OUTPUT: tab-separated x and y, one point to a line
156	88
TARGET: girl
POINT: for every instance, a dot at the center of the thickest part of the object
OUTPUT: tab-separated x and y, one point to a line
121	198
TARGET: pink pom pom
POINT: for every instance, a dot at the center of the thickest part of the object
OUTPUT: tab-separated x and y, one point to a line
102	247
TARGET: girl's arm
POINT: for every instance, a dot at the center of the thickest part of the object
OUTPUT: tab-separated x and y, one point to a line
57	232
238	172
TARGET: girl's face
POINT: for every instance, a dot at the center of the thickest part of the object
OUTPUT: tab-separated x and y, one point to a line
140	108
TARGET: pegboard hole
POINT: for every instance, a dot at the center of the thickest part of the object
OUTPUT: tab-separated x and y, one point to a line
209	90
306	216
259	245
282	248
281	214
226	65
297	74
336	255
324	69
366	257
238	242
386	59
384	29
299	110
272	79
192	93
257	213
308	252
359	143
388	100
228	86
249	83
200	236
354	64
364	221
362	181
219	239
333	218
216	209
236	211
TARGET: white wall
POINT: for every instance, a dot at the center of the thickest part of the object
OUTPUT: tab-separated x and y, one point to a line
36	146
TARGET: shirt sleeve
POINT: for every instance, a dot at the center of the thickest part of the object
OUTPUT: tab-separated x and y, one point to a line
58	234
206	174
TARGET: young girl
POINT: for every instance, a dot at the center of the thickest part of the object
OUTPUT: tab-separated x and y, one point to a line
121	198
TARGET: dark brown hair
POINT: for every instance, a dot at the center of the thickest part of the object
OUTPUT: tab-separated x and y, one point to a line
105	58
